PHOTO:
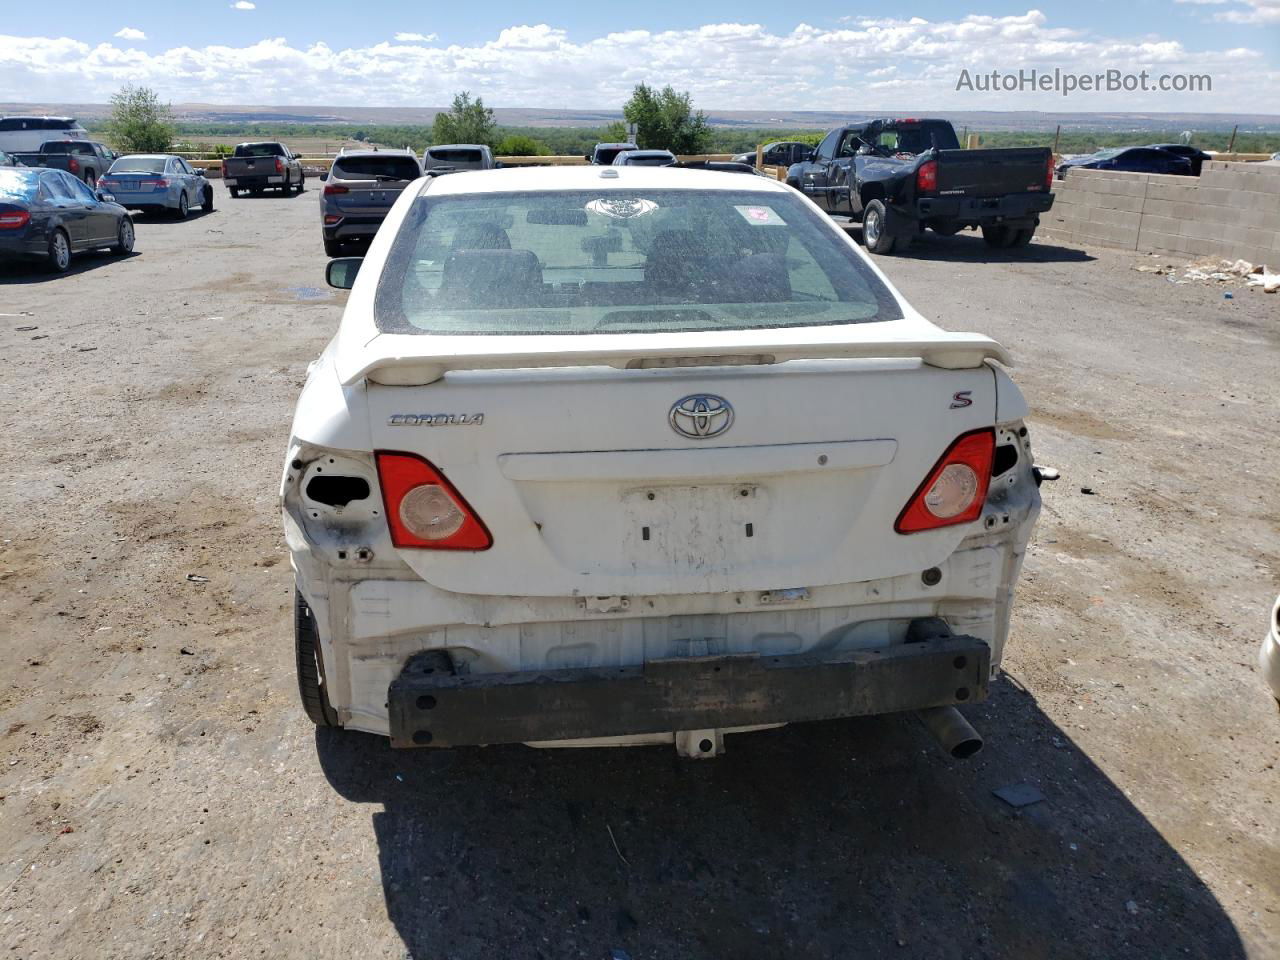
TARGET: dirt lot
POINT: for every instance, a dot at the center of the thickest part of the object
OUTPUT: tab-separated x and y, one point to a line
163	795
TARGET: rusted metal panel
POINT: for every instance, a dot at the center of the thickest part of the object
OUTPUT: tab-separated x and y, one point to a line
431	707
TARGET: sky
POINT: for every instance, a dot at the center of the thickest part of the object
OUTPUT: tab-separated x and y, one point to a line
748	55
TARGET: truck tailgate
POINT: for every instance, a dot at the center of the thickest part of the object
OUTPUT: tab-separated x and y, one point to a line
993	173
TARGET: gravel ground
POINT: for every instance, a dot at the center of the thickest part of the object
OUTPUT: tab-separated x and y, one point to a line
162	795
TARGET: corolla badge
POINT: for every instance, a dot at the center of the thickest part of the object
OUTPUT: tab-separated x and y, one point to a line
701	416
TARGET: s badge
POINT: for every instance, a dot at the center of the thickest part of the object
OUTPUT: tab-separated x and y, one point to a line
963	398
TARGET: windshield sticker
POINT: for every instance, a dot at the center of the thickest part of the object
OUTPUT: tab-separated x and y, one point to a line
761	216
621	208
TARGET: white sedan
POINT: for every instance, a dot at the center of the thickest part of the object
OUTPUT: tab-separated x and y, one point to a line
639	455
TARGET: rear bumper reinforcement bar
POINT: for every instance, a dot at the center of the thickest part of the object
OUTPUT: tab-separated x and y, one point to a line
436	708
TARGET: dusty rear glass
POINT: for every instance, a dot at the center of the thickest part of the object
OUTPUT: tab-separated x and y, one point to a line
613	261
455	156
139	165
376	168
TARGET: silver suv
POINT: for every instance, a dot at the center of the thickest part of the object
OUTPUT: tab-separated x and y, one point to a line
358	192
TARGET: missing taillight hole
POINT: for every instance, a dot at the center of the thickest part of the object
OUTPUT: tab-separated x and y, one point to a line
337	491
1005	460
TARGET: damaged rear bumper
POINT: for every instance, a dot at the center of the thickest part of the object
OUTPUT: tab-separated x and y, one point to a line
429	707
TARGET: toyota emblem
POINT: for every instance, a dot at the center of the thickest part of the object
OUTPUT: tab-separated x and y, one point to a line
701	416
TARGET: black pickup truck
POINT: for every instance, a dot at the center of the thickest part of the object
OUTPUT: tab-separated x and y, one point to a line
900	176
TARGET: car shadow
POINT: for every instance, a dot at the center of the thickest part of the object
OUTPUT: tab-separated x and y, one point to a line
32	271
852	838
969	247
270	194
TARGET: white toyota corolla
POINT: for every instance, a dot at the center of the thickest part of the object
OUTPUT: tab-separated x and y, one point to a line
637	455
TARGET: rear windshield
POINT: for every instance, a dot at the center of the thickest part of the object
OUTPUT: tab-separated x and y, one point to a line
606	155
376	168
65	146
610	261
650	160
455	156
259	150
138	165
17	184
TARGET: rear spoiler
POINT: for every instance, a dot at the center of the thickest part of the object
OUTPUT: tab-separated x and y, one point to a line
406	359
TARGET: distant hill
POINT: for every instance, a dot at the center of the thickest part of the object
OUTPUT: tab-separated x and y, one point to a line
987	120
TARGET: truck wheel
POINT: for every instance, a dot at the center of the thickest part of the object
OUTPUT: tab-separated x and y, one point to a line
91	180
1022	237
332	248
306	647
302	182
997	236
59	256
874	235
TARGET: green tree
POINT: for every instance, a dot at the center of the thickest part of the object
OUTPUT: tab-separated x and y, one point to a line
518	145
468	121
665	120
139	122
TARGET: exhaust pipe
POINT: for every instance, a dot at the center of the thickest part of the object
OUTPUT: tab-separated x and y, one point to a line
952	731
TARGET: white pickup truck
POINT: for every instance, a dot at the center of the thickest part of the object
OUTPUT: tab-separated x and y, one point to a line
639	455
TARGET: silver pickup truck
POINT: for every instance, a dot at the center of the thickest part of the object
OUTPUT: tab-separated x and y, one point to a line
255	167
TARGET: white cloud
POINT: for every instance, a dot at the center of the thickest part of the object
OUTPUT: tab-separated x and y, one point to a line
130	33
862	65
244	5
1256	11
415	37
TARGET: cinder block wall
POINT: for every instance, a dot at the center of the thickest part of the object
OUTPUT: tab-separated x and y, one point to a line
1232	210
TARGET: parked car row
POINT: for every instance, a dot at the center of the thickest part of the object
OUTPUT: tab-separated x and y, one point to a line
1177	159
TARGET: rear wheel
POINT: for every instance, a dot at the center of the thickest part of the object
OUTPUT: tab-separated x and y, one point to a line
183	206
306	647
332	248
207	205
302	182
875	235
1022	237
124	237
59	256
91	180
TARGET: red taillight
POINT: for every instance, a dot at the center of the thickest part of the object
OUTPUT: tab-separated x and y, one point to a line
73	164
424	511
330	219
154	184
1048	174
956	487
279	165
12	221
331	188
927	177
224	169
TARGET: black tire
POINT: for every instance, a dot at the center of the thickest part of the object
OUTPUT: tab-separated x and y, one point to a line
875	233
1022	237
998	236
302	182
306	647
124	237
91	180
184	206
332	248
207	204
58	259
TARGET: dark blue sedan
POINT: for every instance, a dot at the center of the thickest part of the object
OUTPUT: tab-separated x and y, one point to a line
1130	160
47	215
